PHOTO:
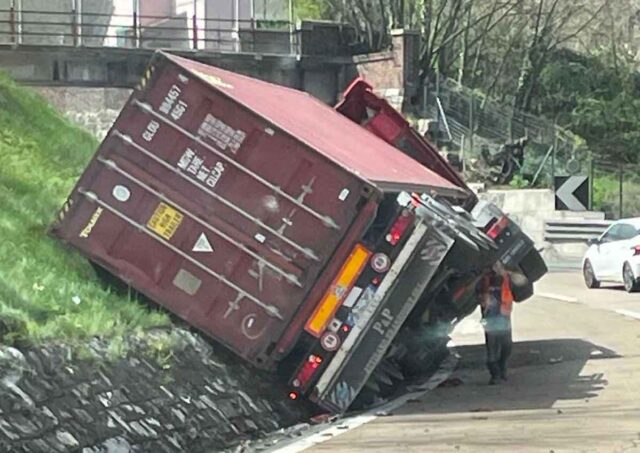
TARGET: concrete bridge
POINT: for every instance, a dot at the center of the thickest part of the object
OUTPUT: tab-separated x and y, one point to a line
62	47
47	65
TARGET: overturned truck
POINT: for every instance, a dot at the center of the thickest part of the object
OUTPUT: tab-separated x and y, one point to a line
334	247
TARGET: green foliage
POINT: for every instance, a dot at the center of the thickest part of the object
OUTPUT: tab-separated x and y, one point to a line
518	182
47	291
598	102
311	9
611	127
606	196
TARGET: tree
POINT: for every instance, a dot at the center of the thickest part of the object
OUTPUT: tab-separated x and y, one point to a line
554	23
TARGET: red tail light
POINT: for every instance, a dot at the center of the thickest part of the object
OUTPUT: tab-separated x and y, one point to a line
636	250
308	370
399	227
498	227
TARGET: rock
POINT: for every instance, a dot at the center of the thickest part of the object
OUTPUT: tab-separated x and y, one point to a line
139	429
67	439
12	365
8	431
179	415
83	416
25	426
113	445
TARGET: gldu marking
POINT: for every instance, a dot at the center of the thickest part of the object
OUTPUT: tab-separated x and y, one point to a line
572	193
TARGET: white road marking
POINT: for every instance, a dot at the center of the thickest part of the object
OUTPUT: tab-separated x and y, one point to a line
557	297
345	425
629	313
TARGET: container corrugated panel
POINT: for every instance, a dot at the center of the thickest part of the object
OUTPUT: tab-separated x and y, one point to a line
217	207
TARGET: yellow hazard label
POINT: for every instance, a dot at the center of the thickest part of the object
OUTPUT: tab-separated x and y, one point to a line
165	221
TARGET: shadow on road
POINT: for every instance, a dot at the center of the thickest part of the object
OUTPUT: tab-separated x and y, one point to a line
541	373
610	287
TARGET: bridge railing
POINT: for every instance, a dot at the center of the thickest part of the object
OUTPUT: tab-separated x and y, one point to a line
179	31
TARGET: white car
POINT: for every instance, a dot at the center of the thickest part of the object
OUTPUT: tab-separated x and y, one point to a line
615	256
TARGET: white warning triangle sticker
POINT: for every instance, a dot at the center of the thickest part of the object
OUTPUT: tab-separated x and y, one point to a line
202	244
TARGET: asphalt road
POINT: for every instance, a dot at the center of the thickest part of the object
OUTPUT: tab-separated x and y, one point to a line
574	384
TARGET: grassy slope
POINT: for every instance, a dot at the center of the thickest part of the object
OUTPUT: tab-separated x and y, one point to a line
41	156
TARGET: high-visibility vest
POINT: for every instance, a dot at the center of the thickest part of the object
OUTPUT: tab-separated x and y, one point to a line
506	296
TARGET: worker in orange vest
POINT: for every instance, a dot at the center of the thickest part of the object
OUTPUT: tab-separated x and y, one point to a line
496	302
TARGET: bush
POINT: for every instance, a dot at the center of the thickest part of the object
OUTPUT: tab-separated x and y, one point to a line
606	196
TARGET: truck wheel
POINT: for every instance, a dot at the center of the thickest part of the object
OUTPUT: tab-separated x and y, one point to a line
631	284
589	275
533	265
522	292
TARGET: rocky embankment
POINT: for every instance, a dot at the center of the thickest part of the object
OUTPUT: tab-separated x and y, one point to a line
197	398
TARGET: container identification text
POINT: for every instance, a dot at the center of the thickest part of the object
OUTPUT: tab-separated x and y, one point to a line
168	108
193	164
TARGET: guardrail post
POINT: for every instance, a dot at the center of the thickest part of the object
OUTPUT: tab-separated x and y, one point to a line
18	5
591	182
472	123
195	32
135	29
12	24
74	26
78	17
621	175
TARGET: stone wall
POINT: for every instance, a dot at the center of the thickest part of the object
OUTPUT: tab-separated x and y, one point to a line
393	73
95	109
197	398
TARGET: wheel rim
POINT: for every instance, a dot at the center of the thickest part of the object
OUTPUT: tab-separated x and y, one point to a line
628	278
588	274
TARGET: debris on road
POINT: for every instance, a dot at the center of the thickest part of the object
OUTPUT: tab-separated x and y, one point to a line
451	382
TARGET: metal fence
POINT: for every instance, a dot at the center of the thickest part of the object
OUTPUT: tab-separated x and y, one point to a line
615	188
473	122
78	27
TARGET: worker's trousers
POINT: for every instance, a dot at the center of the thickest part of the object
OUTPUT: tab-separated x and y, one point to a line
498	344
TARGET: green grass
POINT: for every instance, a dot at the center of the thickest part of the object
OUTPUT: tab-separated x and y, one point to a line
41	282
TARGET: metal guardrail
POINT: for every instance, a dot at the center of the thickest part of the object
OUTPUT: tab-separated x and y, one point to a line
574	230
76	27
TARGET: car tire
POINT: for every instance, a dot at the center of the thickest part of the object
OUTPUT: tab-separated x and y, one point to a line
589	275
631	283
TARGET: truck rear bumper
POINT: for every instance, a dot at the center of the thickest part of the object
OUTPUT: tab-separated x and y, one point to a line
384	314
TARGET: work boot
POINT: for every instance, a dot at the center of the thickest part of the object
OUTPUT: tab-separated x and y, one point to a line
493	380
503	375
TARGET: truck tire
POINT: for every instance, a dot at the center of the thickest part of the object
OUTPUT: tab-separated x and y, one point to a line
522	292
533	265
